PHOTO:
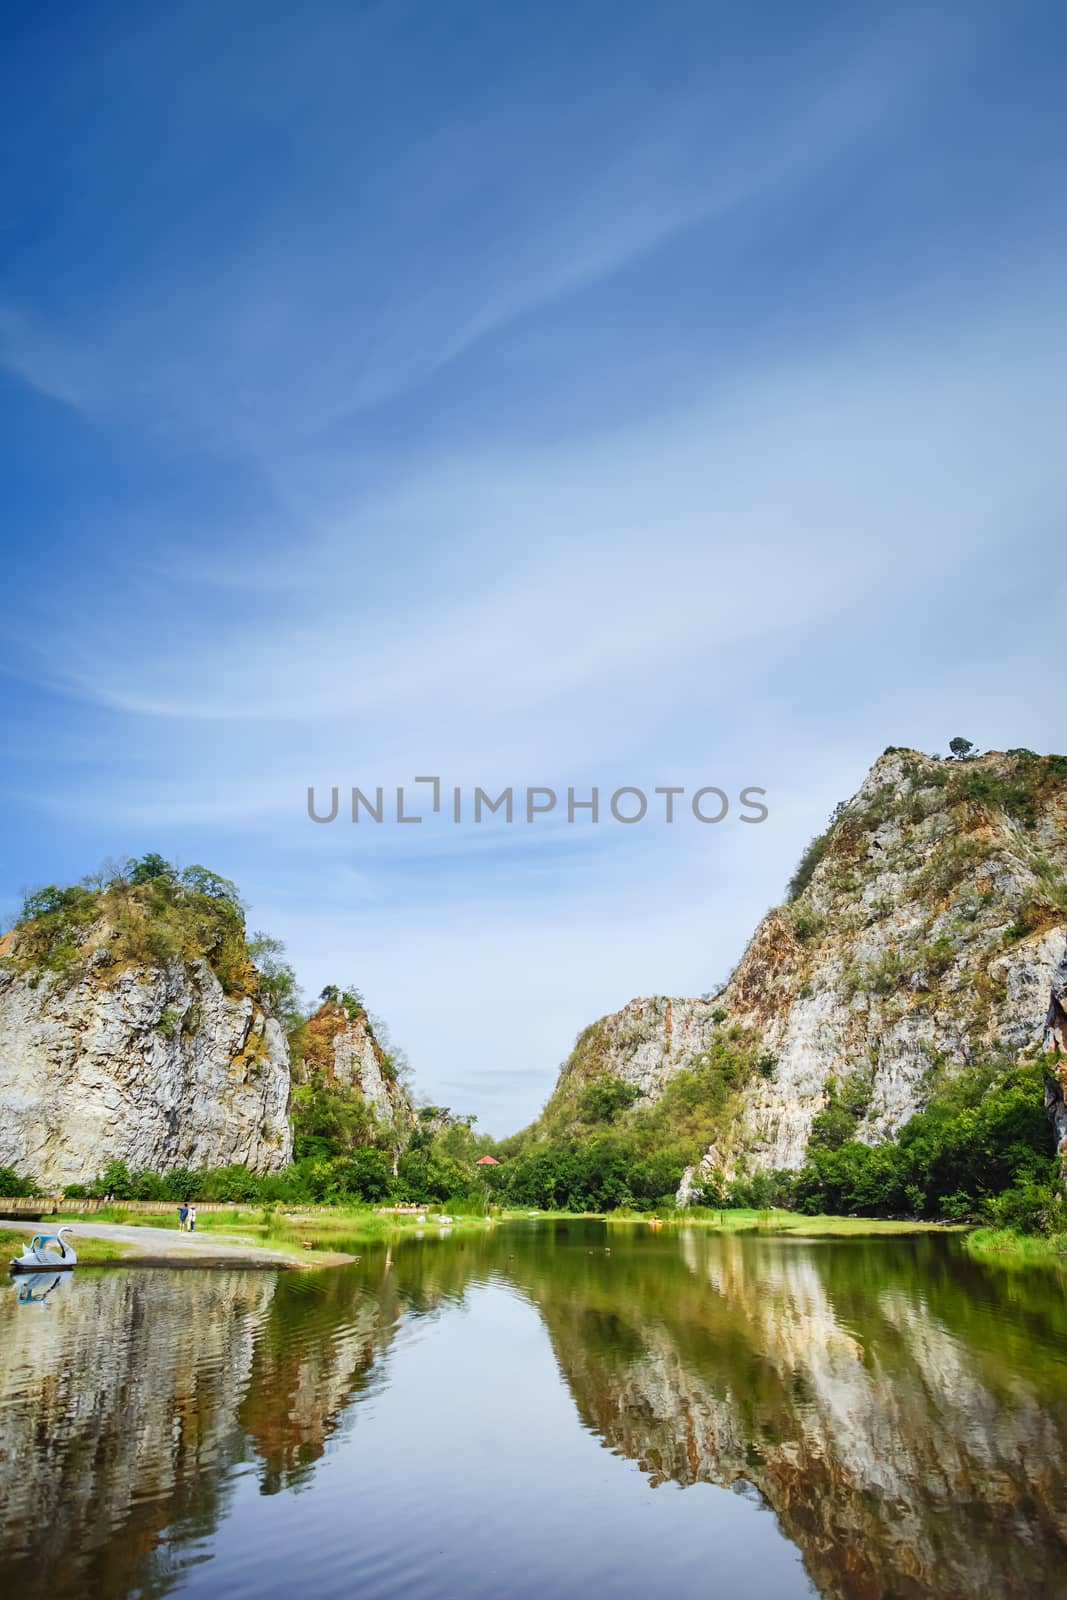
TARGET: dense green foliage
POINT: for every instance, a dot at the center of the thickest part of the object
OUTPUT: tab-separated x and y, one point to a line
603	1145
328	1122
597	1174
846	1106
982	1150
342	1154
602	1100
974	1142
149	913
14	1185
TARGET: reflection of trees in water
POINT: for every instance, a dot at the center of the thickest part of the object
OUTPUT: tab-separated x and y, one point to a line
126	1403
902	1408
870	1390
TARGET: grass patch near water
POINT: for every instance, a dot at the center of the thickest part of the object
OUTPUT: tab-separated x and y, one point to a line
1017	1249
773	1223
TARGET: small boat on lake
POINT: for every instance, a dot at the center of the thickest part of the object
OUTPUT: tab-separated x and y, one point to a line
39	1258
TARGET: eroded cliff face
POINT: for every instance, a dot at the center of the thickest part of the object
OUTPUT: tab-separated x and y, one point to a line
925	939
154	1066
1054	1045
643	1045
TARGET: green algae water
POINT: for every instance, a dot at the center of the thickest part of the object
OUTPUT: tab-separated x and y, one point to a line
554	1408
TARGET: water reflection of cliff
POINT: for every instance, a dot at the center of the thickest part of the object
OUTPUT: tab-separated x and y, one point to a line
314	1355
129	1400
890	1433
902	1411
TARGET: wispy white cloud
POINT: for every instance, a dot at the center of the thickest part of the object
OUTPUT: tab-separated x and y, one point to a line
688	539
284	332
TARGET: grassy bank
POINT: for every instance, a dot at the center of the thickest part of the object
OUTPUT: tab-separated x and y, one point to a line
349	1227
1018	1249
786	1222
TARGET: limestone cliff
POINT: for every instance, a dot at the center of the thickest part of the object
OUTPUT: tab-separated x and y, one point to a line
120	1040
339	1048
157	1067
923	933
1054	1044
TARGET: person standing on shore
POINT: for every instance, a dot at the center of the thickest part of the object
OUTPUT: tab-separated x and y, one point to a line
183	1216
192	1219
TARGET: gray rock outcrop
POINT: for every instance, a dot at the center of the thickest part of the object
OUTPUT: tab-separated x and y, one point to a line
340	1049
157	1067
360	1063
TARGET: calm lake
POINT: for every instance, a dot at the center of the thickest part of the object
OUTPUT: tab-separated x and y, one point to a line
546	1409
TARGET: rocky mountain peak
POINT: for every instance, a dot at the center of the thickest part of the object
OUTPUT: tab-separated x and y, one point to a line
920	934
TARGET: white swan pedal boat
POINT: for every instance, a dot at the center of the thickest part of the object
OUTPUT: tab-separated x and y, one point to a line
39	1258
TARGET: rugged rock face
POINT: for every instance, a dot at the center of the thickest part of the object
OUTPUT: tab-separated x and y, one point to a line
925	937
643	1045
341	1049
136	1026
154	1066
1054	1042
1055	1036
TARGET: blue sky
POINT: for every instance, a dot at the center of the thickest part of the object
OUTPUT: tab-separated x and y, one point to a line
589	394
